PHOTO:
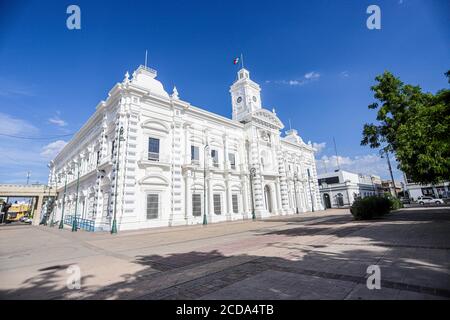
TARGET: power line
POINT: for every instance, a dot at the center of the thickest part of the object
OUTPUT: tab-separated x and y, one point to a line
36	138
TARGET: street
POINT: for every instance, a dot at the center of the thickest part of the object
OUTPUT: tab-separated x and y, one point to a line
319	255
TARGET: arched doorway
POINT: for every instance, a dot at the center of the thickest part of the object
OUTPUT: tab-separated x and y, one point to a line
326	200
268	198
340	200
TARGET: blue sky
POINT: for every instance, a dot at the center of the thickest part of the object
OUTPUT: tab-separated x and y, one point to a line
315	61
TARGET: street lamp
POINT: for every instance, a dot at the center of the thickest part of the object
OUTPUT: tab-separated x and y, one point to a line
61	223
114	224
74	222
205	219
252	176
52	221
310	192
295	191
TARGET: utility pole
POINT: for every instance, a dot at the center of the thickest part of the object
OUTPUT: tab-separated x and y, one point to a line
28	177
335	151
390	171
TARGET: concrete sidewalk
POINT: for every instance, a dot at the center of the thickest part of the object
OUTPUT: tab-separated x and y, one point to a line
320	255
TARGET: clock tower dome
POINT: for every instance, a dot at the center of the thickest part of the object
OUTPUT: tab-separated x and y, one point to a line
245	96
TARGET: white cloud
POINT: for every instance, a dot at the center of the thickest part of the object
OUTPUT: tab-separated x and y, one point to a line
52	149
13	126
312	75
11	89
307	78
319	146
57	121
366	164
344	74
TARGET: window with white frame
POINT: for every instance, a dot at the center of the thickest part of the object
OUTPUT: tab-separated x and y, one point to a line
152	205
215	157
196	205
217	204
153	149
234	200
232	159
195	154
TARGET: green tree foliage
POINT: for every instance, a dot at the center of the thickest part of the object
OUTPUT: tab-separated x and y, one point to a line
413	125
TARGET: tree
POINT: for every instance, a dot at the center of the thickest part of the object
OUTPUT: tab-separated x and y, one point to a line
415	126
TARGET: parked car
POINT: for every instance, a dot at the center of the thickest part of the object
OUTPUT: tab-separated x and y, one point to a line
429	200
405	200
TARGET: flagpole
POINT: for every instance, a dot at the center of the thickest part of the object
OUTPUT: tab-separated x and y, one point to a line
242	61
145	59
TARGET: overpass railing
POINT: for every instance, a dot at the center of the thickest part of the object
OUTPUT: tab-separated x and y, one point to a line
83	224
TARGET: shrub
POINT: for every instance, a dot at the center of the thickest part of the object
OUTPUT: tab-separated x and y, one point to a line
370	207
395	203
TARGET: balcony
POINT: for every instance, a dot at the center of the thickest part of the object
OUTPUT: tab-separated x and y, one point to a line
154	158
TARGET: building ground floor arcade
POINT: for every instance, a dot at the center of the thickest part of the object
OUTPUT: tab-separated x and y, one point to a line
158	201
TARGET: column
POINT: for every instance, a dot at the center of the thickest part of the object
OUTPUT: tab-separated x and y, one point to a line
210	197
278	196
229	200
188	195
245	192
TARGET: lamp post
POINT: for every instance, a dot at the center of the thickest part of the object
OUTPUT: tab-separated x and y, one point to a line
61	223
74	222
252	176
310	192
52	222
205	220
295	191
114	224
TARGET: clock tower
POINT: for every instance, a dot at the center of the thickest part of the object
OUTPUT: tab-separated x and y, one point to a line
245	96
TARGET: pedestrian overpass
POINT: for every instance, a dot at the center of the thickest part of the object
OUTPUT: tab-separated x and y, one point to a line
35	191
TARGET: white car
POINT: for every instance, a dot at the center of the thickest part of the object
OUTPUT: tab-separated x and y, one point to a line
429	200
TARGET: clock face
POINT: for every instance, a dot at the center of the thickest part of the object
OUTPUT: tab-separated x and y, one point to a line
239	100
254	98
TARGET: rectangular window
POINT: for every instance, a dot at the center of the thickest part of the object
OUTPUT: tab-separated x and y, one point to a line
196	205
234	200
152	205
215	158
232	159
217	204
195	155
153	149
98	157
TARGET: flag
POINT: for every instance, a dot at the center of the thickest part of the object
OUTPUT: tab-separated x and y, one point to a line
236	61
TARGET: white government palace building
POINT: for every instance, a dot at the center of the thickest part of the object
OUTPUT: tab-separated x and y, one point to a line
177	164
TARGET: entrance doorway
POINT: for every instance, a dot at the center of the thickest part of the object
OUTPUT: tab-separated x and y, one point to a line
268	198
326	200
340	200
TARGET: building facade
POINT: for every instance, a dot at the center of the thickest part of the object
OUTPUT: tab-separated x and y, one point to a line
341	188
155	160
438	191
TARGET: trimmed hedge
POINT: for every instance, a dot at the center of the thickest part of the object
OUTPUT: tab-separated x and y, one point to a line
370	207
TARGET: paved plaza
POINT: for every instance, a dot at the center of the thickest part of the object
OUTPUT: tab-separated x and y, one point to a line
320	255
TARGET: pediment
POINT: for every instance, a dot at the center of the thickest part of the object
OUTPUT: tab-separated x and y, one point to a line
268	117
158	180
